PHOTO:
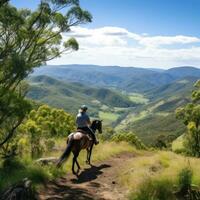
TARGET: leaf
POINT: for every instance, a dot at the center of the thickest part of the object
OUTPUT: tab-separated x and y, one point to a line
72	43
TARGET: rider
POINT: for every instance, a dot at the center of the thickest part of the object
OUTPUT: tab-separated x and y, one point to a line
83	122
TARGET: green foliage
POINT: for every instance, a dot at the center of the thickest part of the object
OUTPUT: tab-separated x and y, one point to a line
164	141
107	134
41	126
29	38
185	179
190	115
130	138
15	170
154	190
160	142
13	110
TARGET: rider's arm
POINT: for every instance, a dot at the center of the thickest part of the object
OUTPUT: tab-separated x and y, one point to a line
88	121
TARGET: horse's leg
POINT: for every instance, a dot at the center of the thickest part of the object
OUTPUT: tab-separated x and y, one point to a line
76	161
90	153
77	164
73	165
76	153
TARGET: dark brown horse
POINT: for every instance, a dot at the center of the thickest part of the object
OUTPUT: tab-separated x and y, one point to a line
78	141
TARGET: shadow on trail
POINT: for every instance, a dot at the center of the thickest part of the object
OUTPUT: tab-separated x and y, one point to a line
60	191
90	174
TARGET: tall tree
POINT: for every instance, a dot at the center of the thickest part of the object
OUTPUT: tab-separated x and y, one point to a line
27	40
190	115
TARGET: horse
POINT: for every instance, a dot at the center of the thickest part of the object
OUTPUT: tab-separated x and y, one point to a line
78	141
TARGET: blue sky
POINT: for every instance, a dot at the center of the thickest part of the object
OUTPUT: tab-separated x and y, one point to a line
144	33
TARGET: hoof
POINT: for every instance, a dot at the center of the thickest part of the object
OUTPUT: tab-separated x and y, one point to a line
58	164
74	173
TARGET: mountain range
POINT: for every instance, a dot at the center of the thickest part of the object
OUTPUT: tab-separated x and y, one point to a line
125	78
130	99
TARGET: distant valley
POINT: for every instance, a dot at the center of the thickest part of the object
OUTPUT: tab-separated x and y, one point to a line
128	99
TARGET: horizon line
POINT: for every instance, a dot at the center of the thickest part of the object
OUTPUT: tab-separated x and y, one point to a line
155	68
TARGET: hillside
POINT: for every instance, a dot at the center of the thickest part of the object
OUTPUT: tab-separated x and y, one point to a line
70	96
157	117
181	87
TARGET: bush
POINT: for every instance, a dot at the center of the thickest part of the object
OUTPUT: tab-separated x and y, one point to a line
131	138
154	190
185	179
180	151
14	170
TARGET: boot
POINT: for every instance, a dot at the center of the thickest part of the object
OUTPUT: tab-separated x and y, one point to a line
95	140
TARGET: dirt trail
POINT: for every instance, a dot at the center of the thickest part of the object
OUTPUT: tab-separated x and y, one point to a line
98	182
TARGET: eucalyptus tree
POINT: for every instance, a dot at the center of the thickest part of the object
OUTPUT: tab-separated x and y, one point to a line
28	39
190	114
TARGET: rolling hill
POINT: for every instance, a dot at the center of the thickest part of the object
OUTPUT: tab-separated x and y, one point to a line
70	96
127	98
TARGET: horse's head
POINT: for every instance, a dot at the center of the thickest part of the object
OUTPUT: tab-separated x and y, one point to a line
97	125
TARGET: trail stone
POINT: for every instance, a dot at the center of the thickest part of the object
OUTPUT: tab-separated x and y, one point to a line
47	161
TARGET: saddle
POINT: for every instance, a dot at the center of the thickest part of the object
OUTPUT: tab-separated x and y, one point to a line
84	132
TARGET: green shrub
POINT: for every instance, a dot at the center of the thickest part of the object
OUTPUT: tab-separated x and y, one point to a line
180	151
154	190
185	179
131	138
14	170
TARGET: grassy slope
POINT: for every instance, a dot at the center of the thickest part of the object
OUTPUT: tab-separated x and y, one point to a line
177	145
138	98
153	120
108	117
157	117
159	165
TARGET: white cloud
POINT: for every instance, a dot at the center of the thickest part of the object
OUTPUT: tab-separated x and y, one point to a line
168	40
118	46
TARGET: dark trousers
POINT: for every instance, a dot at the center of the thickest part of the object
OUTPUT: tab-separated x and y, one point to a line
89	131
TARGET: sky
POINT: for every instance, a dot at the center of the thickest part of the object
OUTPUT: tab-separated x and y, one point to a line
139	33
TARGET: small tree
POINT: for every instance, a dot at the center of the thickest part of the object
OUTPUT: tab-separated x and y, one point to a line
190	115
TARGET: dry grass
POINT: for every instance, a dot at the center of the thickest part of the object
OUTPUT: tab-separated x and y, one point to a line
101	152
157	166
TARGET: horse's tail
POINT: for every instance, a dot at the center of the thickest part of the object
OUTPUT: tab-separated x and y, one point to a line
67	151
